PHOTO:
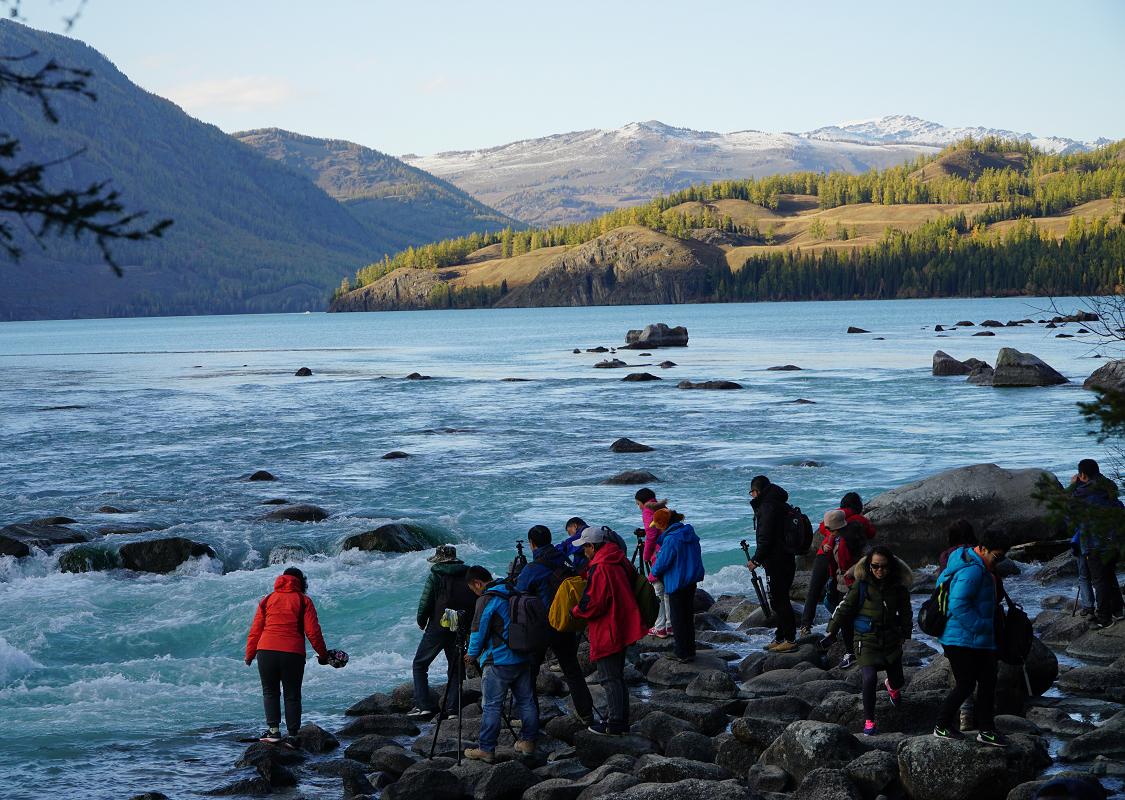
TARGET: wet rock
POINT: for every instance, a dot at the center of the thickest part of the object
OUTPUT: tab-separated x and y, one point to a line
392	760
667	364
661	727
598	349
429	784
981	376
150	796
669	672
88	558
874	772
767	778
938	329
689	789
364	747
315	739
800	401
712	684
274	501
992	323
417	376
1058	722
382	724
1014	368
807	744
942	769
287	554
161	555
126	530
1069	785
629	446
702	602
1061	566
662	769
734	755
262	475
1039	551
656	335
394	537
611	363
254	787
641	377
114	510
784	368
565	729
272	764
1050	325
1100	646
576	350
1060	628
827	784
1109	376
709	385
378	703
631	477
984	333
1077	316
356	785
690	744
609	786
51	521
945	364
853	329
303	372
394	454
964	324
916	712
505	781
17	540
593	750
297	512
913	518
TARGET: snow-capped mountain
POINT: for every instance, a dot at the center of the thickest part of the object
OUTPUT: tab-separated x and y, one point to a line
573	176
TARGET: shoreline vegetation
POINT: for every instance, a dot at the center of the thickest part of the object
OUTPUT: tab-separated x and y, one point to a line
987	217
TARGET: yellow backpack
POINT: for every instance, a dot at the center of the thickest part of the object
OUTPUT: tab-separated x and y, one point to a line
569	593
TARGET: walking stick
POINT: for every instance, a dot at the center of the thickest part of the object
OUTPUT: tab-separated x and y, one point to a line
1077	594
755	579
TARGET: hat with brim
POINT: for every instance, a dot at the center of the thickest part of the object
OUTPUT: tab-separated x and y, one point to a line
595	534
443	553
835	519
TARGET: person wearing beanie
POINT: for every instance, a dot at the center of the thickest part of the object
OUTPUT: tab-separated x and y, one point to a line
679	567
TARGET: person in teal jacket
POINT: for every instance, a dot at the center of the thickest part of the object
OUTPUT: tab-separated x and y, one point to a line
501	667
969	638
679	564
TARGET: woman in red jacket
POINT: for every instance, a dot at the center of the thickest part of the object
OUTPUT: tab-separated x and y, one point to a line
277	637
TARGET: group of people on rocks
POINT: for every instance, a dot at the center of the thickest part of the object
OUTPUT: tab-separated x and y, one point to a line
589	582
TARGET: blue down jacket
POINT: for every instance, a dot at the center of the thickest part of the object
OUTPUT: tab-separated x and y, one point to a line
680	560
972	601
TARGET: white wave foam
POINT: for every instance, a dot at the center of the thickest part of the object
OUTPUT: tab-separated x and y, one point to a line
733	579
14	662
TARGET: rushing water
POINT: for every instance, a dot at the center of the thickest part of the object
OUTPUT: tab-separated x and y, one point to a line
113	683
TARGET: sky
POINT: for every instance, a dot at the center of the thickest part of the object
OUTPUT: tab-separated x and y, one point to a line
430	76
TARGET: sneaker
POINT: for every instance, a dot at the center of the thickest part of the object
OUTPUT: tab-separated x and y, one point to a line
271	736
477	754
773	644
525	747
1099	624
847	661
991	738
805	631
663	633
948	733
292	741
419	713
870	729
784	647
895	694
605	729
1086	612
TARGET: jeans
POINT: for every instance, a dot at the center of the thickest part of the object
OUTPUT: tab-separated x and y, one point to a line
871	677
664	617
682	605
494	686
611	673
1085	588
565	647
282	671
1107	592
435	640
780	571
973	668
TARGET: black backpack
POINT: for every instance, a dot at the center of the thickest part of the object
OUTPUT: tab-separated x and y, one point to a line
528	630
1014	632
798	531
933	614
453	592
557	576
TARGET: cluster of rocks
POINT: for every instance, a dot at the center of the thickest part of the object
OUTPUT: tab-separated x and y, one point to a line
656	335
1013	369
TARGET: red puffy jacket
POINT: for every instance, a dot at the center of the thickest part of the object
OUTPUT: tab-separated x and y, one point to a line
277	623
608	604
839	556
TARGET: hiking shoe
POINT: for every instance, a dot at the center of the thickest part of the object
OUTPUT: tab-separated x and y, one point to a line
870	729
784	647
773	644
419	713
271	736
991	738
605	729
948	733
895	694
847	661
476	754
525	746
1086	612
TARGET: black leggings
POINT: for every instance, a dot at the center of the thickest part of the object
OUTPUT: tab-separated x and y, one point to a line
871	677
681	604
972	669
278	670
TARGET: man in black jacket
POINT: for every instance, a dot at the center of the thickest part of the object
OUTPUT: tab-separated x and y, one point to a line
445	588
771	512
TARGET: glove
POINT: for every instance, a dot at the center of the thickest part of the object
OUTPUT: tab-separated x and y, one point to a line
249	661
322	660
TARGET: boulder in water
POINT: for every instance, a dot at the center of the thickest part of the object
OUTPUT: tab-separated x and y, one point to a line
666	364
984	333
52	521
853	329
964	324
981	375
712	385
945	364
624	445
161	555
611	363
992	323
394	537
1014	368
784	368
303	372
417	376
297	512
656	335
631	477
88	558
114	510
598	349
394	455
1109	376
641	377
17	540
262	475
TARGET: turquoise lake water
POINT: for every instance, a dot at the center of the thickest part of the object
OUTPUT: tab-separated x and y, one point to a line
115	683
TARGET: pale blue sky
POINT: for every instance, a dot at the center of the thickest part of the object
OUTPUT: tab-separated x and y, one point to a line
428	76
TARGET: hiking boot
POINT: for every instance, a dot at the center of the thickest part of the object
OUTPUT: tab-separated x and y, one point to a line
420	713
967	721
271	736
1086	612
948	733
773	644
784	647
476	754
805	631
991	738
847	661
525	747
870	728
894	694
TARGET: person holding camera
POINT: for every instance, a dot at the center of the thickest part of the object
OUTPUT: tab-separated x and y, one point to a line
501	667
283	620
445	588
771	509
542	576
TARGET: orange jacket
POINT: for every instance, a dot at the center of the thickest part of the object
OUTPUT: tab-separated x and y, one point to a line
277	625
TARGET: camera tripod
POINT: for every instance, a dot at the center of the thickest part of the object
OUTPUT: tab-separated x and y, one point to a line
760	587
638	559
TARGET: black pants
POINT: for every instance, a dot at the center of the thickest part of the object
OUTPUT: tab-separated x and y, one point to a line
819	581
565	647
681	607
282	672
611	672
972	669
435	641
871	679
780	571
1107	593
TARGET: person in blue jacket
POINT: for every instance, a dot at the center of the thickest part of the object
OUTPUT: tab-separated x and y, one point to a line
969	638
501	667
679	564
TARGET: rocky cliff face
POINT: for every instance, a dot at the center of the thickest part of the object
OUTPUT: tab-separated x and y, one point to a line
401	290
627	266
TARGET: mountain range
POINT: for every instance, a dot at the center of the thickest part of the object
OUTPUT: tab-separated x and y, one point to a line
569	177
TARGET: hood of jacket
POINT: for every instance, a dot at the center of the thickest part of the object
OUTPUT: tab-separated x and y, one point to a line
548	556
680	530
772	494
609	553
1100	490
905	574
287	583
455	568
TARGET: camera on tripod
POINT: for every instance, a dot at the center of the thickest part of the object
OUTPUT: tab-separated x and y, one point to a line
518	563
639	533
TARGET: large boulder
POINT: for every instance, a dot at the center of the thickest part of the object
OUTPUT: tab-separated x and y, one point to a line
17	540
161	555
297	512
656	335
943	769
594	749
427	784
915	713
631	477
670	672
662	769
827	784
806	745
945	364
1107	740
1014	368
394	537
912	518
689	789
1109	376
1101	646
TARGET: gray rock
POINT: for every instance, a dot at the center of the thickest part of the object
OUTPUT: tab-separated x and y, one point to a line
609	786
1014	368
314	739
758	732
669	672
981	375
1109	376
827	784
417	376
784	368
702	601
1058	722
17	540
364	747
689	744
912	519
611	363
161	555
303	372
554	789
392	760
806	745
641	377
767	778
662	769
395	455
984	333
505	781
253	787
661	727
631	477
1061	566
1107	740
656	335
429	784
734	755
711	385
873	772
394	537
713	684
1100	646
945	364
666	364
689	789
297	512
942	769
378	703
705	717
88	558
262	475
57	520
593	750
624	445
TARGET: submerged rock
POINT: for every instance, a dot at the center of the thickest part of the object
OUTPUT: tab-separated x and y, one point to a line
714	385
88	558
624	445
630	477
17	540
656	335
784	368
640	377
417	376
394	537
298	512
262	475
610	363
161	555
52	521
394	454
